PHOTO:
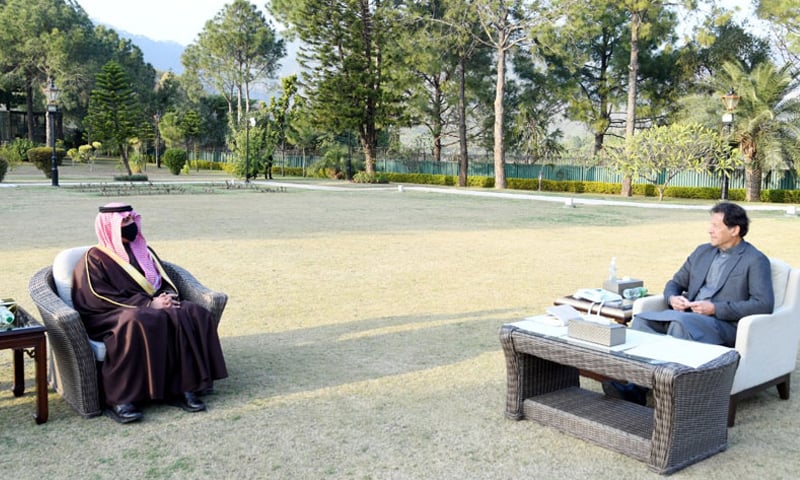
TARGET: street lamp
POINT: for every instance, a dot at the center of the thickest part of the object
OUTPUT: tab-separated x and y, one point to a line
157	118
52	97
731	101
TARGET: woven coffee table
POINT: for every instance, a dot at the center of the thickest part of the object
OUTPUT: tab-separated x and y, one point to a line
688	422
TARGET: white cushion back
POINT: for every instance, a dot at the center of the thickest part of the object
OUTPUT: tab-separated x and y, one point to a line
780	277
63	265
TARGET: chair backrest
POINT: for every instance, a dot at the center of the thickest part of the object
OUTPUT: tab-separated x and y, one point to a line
780	280
63	265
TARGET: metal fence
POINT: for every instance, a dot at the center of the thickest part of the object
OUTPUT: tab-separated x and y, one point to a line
776	180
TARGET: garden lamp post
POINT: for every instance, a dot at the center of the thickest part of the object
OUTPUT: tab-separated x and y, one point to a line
731	101
348	170
157	118
52	97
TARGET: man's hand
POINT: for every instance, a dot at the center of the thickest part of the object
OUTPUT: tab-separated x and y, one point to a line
703	307
165	300
679	302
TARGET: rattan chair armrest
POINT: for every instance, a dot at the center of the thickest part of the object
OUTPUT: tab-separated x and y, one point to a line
191	289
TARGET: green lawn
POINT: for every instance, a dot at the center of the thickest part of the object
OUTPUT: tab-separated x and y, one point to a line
361	333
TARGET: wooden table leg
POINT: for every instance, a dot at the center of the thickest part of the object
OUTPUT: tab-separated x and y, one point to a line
40	356
19	379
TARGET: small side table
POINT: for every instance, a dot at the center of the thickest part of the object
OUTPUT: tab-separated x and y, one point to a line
26	335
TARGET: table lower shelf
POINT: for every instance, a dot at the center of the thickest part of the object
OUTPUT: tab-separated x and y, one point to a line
609	422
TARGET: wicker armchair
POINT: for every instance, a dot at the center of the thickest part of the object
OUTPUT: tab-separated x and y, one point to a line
75	359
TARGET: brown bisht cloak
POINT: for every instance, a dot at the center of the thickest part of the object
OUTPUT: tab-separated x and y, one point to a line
151	354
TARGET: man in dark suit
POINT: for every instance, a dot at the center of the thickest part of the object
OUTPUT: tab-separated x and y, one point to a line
721	282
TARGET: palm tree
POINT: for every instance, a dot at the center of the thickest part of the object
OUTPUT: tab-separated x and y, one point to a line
766	127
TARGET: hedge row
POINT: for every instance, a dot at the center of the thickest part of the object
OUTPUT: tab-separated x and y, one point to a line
576	186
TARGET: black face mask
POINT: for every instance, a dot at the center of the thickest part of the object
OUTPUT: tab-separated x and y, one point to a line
130	231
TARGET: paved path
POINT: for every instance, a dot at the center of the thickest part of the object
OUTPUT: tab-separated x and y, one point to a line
566	200
569	201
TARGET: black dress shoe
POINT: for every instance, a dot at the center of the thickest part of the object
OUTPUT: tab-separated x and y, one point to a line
189	402
124	413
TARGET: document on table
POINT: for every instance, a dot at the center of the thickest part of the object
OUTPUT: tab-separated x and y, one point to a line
543	325
686	352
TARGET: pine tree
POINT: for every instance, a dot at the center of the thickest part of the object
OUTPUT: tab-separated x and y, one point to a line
114	114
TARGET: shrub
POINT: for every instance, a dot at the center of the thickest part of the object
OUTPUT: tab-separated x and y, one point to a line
289	171
698	193
575	186
3	168
206	165
776	196
17	150
42	157
137	162
136	177
364	177
175	159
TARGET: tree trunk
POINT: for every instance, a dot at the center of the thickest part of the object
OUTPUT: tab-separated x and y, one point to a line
598	142
462	122
633	74
125	162
752	178
29	107
368	142
437	121
239	114
370	135
499	154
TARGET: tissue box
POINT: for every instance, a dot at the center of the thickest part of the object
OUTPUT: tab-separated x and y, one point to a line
608	335
620	285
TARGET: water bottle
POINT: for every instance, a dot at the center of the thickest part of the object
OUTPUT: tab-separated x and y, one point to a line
612	270
6	317
634	293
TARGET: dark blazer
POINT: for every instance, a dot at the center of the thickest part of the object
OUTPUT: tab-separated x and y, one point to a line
746	286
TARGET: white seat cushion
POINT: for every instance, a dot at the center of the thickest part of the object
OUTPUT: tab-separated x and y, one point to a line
63	265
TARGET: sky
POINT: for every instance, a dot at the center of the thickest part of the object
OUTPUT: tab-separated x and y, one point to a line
179	20
164	20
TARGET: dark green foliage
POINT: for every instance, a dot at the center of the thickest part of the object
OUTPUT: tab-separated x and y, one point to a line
42	157
114	112
41	39
175	159
778	196
206	165
354	82
364	177
596	188
238	39
136	177
17	149
288	171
